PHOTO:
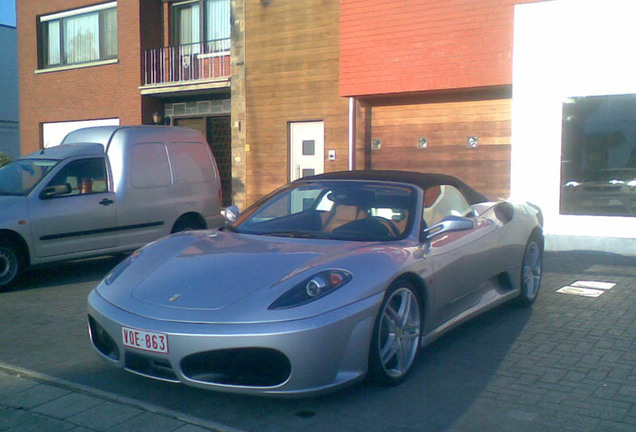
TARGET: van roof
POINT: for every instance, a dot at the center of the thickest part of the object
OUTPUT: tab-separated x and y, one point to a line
67	150
104	134
95	140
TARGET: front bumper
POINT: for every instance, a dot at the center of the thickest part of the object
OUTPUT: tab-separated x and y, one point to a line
301	357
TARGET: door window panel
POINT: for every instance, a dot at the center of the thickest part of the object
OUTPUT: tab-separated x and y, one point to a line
84	176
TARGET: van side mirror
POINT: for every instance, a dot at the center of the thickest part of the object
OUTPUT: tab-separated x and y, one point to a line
449	224
231	213
51	191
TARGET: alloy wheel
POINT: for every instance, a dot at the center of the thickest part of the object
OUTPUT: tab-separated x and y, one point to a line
399	332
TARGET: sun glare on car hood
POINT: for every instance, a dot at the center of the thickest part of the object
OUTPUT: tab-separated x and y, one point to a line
211	273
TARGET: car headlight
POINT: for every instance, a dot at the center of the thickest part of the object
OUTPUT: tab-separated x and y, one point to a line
119	268
313	288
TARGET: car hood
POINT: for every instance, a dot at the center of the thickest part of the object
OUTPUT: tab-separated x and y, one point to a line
217	276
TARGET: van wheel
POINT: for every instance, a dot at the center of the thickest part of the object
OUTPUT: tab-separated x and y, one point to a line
10	265
186	224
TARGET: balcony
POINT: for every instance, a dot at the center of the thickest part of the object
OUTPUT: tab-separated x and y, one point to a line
186	67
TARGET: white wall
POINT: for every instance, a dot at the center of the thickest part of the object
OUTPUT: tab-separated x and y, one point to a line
566	48
54	133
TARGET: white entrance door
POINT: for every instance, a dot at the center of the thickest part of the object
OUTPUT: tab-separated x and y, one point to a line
307	153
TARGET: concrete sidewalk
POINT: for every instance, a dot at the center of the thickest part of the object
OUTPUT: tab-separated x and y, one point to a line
30	401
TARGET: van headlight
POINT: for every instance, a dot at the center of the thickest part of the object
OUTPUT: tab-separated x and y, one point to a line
313	288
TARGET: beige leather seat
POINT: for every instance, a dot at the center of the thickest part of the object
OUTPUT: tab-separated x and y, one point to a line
342	214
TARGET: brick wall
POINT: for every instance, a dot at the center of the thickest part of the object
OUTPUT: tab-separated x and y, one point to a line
389	46
97	92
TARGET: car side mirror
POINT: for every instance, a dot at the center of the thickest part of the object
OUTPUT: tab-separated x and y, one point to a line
449	224
51	191
230	213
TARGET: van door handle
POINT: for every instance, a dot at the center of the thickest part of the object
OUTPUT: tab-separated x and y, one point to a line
106	201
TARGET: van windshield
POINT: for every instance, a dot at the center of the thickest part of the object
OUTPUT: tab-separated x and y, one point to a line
21	176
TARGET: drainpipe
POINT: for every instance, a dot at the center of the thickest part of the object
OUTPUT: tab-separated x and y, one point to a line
352	133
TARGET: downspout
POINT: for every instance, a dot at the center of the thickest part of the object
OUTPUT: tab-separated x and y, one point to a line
352	133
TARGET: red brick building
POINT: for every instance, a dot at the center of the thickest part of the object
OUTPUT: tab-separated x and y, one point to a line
83	62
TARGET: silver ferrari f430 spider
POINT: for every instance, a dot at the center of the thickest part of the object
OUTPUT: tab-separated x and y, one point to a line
325	281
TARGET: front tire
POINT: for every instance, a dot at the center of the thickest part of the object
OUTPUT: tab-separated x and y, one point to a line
531	267
396	335
10	265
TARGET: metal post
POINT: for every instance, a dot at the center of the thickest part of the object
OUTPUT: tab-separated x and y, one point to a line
352	133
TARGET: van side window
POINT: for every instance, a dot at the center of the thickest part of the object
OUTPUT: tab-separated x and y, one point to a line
190	163
150	165
83	176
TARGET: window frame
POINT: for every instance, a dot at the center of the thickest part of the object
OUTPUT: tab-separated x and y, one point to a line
44	41
175	27
76	191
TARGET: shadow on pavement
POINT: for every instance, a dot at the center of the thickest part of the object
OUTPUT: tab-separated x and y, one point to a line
79	271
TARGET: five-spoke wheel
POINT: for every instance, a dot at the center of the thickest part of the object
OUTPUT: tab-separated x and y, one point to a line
396	336
531	272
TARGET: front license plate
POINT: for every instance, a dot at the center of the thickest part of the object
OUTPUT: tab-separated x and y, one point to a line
143	340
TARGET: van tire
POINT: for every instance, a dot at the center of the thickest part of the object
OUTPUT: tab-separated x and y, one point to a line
11	264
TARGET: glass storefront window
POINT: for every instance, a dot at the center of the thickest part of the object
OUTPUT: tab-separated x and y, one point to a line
598	156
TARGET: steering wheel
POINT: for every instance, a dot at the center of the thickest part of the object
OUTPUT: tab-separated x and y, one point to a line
395	232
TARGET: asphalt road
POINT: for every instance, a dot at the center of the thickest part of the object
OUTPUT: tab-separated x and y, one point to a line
567	364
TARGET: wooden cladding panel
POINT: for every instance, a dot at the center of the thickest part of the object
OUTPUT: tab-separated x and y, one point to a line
447	126
292	65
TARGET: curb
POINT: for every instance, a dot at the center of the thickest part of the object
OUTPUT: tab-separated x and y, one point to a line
112	397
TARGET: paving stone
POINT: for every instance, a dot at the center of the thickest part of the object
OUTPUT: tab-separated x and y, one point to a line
34	396
10	385
10	417
148	422
105	415
37	423
67	406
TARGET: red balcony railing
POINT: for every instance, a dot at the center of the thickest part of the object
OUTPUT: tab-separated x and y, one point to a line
201	61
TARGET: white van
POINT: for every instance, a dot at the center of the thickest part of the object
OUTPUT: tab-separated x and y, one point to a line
105	190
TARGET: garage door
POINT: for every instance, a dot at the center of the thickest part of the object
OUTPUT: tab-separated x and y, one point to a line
435	136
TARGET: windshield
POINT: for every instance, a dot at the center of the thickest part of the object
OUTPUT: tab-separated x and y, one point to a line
340	210
21	176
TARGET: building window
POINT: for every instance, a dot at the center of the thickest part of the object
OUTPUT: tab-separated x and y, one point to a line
79	36
598	156
203	24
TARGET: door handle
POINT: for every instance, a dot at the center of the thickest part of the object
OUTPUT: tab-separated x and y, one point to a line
106	201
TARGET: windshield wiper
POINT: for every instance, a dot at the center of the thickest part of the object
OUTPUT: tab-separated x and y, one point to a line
293	234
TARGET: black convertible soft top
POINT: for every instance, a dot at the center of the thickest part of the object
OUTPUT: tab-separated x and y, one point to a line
422	180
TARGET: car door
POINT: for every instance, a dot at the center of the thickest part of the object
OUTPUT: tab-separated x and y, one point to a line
462	259
81	219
